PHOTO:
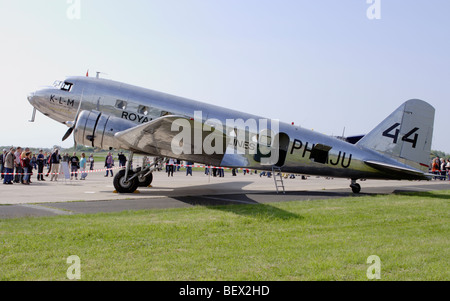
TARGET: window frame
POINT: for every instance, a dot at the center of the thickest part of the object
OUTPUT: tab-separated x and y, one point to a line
123	106
66	86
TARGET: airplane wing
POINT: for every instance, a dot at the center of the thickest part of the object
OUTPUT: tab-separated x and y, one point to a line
390	168
171	136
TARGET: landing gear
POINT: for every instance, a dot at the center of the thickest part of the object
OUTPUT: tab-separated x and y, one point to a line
127	180
356	188
124	185
144	180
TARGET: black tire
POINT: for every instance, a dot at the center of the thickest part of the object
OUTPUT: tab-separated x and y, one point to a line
125	187
145	182
356	188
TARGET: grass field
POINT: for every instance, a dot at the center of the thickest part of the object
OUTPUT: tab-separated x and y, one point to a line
308	240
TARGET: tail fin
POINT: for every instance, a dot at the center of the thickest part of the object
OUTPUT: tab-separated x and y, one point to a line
405	135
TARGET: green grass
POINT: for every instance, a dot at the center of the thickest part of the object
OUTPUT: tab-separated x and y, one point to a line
307	240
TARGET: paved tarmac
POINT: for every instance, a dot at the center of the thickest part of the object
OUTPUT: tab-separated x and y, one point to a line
96	193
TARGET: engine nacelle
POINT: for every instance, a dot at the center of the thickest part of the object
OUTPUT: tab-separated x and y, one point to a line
97	129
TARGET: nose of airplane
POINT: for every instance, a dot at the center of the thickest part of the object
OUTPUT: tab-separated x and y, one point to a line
31	98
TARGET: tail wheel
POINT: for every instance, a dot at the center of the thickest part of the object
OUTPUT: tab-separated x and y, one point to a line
124	186
356	188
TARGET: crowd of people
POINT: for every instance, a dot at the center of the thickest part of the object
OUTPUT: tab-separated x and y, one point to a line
440	168
17	165
174	165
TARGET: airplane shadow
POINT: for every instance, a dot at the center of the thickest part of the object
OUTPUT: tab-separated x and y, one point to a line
232	197
239	204
238	201
427	194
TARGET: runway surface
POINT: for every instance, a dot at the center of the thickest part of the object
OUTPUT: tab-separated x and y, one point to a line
96	193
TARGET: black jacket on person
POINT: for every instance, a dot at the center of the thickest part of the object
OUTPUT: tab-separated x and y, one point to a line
75	161
56	158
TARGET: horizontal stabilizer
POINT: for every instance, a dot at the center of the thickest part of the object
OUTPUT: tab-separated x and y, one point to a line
390	168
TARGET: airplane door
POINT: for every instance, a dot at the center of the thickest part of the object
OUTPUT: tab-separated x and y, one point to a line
283	146
273	150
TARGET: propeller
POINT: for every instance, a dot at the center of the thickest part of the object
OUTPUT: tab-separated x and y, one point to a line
73	124
68	133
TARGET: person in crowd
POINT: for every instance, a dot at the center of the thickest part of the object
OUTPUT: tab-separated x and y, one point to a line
48	160
40	161
83	164
55	160
74	162
46	156
27	168
170	166
24	153
91	162
22	157
443	170
447	168
9	166
34	161
122	160
221	172
2	163
66	158
109	163
435	167
189	168
18	165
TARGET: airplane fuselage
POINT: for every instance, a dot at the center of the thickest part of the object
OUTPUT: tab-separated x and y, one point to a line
301	151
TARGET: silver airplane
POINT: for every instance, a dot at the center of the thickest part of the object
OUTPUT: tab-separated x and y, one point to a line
111	115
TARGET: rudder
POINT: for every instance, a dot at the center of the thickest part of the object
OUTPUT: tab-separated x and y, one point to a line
405	135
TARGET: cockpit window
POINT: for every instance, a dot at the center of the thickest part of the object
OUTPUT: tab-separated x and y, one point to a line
57	84
66	86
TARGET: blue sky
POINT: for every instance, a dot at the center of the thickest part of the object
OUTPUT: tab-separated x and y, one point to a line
321	64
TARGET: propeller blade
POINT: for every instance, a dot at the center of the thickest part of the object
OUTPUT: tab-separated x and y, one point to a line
79	106
74	123
68	133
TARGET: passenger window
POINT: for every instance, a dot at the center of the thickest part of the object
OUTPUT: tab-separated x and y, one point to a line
66	86
143	110
121	104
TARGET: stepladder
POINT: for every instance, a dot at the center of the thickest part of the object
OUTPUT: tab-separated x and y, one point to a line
278	179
